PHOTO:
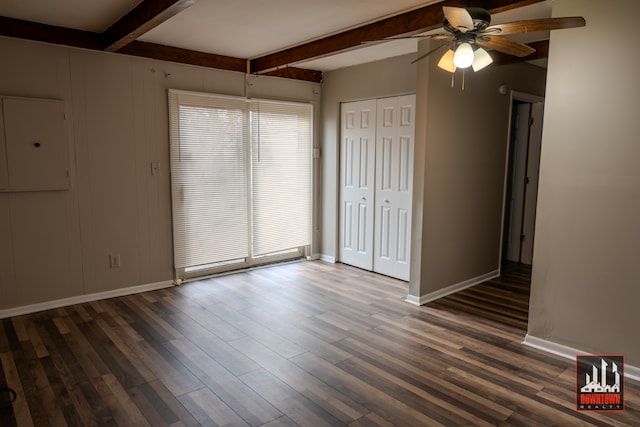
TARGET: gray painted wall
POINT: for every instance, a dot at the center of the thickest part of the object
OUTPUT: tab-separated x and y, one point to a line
463	166
585	289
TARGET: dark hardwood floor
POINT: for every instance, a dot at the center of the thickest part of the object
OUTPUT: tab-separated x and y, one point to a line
504	300
307	343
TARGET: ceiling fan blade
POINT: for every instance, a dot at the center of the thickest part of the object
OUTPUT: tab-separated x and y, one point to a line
502	44
459	18
428	53
439	36
533	25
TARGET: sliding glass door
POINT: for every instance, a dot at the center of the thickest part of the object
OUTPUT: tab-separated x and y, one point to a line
241	181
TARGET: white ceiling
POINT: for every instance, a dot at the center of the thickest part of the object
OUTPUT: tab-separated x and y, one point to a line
252	28
249	28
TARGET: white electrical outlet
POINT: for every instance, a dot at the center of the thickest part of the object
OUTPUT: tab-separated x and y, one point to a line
114	261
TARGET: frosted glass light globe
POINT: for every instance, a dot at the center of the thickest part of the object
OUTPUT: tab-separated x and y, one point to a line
463	58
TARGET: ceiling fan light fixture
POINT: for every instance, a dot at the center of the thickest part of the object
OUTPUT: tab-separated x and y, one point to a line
464	56
481	59
446	62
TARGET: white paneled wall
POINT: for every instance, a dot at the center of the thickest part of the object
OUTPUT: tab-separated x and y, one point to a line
56	245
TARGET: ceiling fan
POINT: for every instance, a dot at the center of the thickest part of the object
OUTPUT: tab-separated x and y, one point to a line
470	32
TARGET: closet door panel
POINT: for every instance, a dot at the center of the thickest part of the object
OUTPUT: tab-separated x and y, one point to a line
357	183
393	193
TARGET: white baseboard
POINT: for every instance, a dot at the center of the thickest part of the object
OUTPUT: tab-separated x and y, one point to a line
328	258
33	308
567	352
432	296
412	299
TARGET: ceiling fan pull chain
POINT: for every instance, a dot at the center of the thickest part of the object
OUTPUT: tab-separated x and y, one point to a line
463	72
452	78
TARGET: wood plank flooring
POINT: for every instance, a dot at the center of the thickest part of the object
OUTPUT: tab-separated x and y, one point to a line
308	344
505	299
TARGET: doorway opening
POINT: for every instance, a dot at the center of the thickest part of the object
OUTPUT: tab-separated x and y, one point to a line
523	167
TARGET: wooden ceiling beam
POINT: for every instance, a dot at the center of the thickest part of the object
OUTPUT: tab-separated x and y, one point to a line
184	56
141	19
18	28
413	22
499	6
297	74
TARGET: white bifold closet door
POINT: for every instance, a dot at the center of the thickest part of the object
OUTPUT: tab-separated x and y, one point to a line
357	178
376	175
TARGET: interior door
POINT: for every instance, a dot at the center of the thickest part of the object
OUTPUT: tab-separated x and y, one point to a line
531	194
357	157
522	187
395	130
517	179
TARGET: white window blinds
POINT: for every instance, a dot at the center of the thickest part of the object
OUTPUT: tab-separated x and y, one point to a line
241	177
281	178
208	179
